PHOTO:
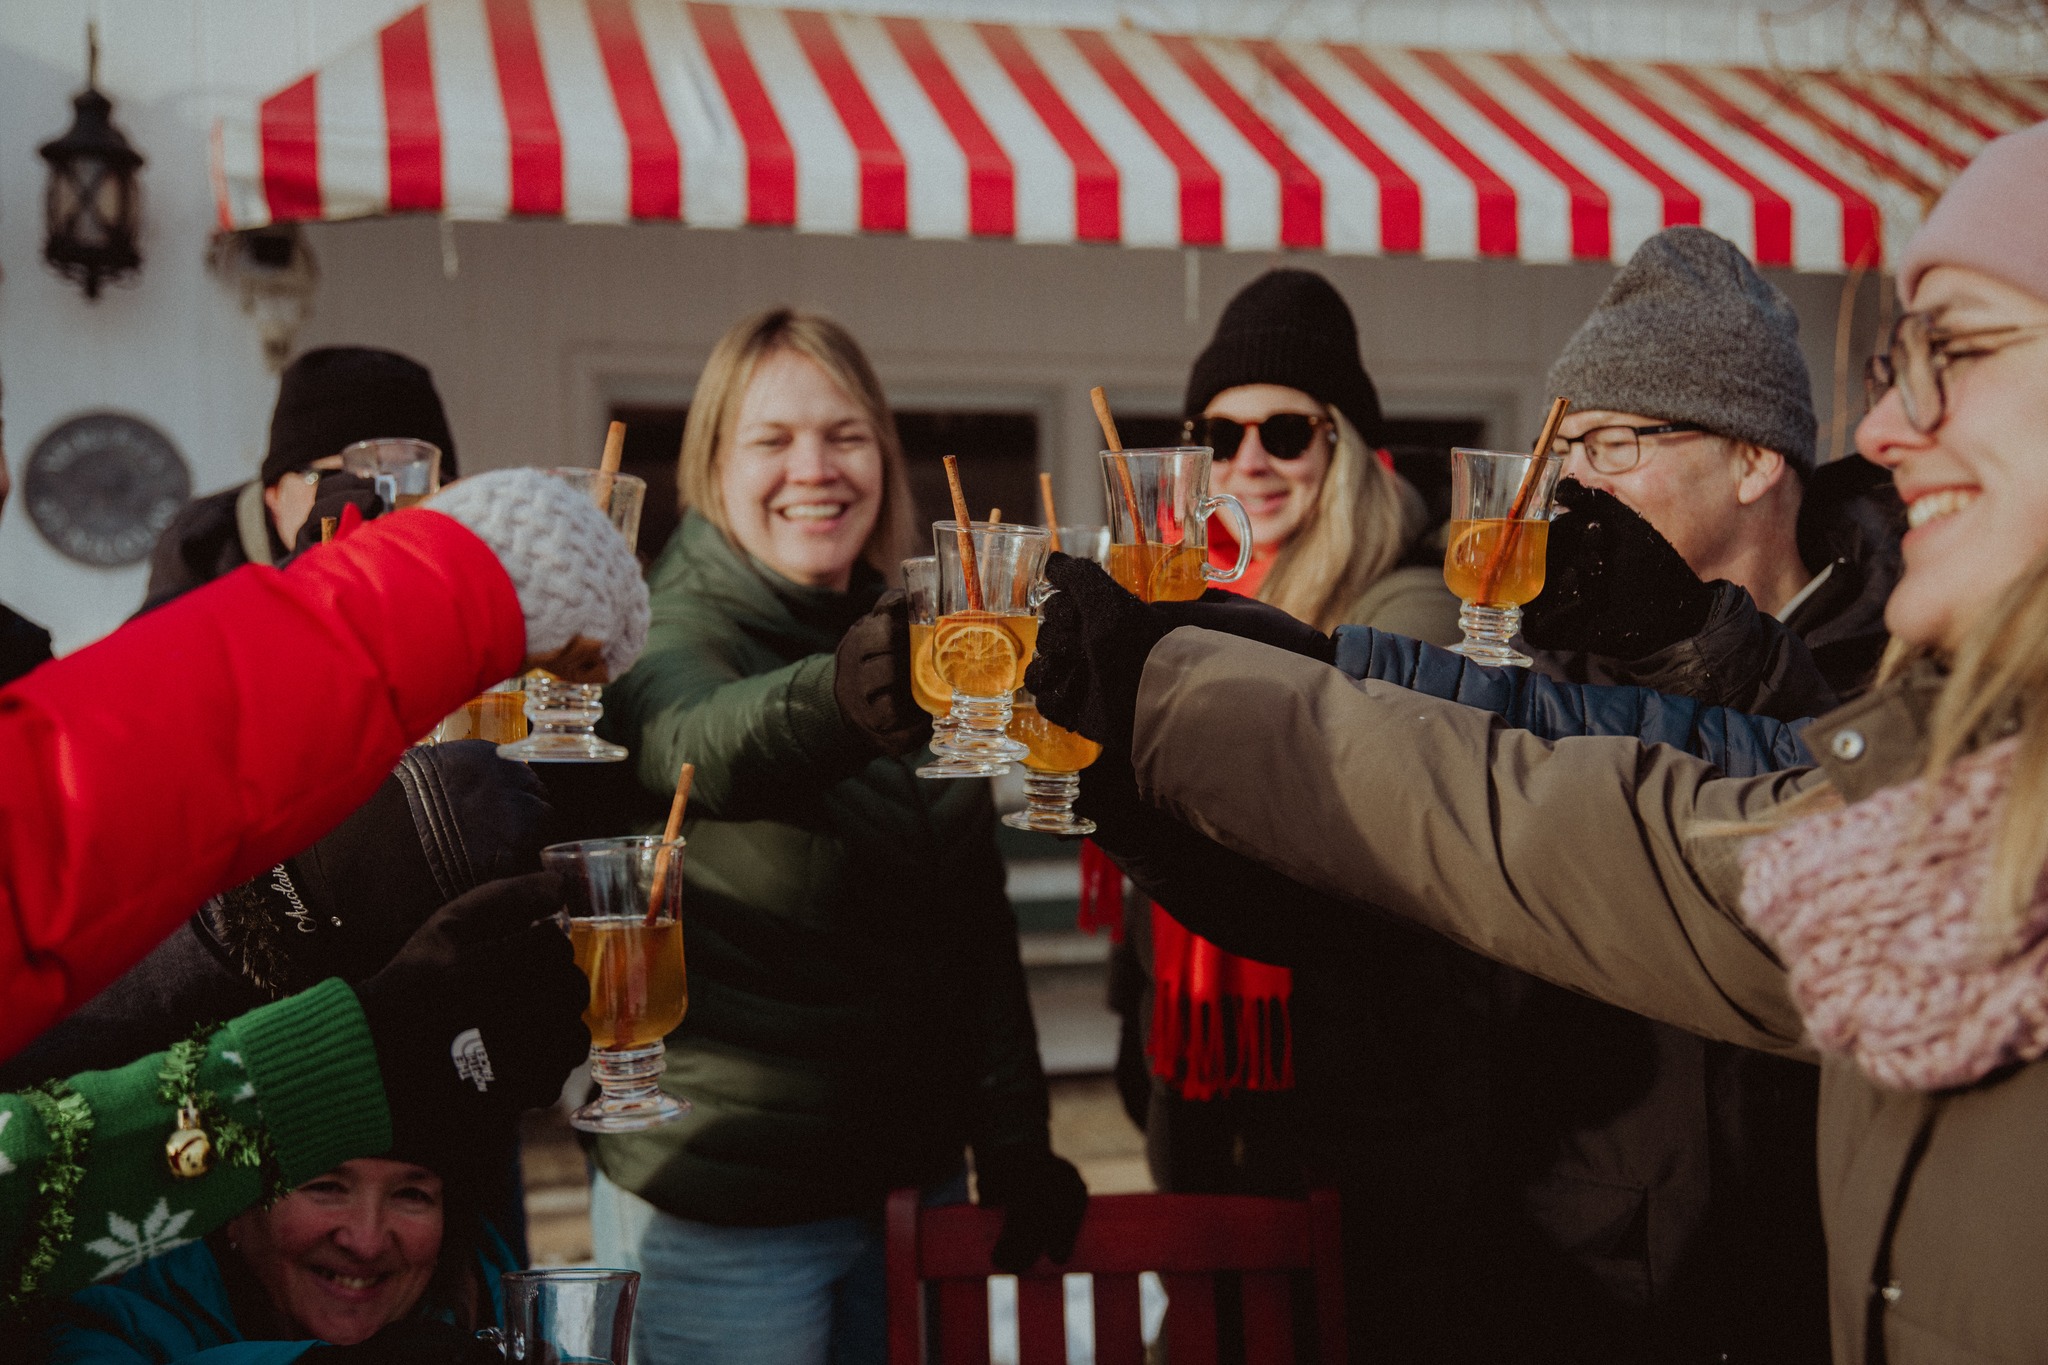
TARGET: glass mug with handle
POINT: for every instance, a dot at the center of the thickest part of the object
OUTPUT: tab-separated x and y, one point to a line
1159	510
405	472
982	640
577	1316
1495	561
562	716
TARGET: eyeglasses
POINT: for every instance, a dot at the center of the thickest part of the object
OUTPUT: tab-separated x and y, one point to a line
1285	435
1916	360
1618	449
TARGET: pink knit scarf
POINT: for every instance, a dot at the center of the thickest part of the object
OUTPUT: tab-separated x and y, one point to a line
1873	909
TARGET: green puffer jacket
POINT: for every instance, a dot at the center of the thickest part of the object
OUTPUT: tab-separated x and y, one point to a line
857	1007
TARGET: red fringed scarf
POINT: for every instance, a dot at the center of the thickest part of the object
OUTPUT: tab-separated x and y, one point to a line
1219	1022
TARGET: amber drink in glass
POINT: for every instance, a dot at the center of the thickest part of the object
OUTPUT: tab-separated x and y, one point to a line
1494	562
1159	510
623	914
921	587
982	640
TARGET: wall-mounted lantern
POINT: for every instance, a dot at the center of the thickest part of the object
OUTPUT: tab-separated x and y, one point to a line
92	210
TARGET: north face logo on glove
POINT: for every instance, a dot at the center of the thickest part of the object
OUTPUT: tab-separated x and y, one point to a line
472	1063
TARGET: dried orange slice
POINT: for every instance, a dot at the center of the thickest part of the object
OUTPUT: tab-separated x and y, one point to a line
932	692
976	653
1176	575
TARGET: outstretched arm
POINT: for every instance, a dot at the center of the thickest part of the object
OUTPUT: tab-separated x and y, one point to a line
1592	862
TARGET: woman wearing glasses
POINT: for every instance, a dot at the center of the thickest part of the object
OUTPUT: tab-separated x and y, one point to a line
1885	913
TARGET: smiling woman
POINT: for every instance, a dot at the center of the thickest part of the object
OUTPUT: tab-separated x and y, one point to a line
374	1261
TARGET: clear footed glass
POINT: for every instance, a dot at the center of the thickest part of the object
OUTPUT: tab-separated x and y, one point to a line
561	723
1487	633
979	733
629	1096
943	767
1049	805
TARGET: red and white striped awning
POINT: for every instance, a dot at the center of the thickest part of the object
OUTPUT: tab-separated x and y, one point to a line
736	116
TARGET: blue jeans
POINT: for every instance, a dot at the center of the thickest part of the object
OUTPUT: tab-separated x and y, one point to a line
806	1294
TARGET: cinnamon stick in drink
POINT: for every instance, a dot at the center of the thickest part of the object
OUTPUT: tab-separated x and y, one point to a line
669	832
608	466
1496	563
1052	518
968	567
1123	469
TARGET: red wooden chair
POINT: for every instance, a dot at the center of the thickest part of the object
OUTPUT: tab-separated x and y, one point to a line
1185	1238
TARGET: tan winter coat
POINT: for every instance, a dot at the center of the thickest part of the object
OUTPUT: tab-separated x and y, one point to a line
1589	862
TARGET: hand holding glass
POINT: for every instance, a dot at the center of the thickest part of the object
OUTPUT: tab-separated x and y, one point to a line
624	918
404	472
982	642
1495	564
568	1317
564	715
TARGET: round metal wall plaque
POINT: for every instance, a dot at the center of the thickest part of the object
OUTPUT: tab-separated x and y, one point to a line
102	487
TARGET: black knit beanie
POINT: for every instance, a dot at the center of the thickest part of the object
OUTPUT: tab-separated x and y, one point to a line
449	819
1288	327
338	395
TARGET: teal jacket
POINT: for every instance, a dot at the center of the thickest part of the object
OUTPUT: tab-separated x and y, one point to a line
176	1308
857	1010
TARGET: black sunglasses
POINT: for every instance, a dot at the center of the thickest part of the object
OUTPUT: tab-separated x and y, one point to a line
1285	435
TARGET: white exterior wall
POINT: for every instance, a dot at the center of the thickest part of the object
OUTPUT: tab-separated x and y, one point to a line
544	323
175	347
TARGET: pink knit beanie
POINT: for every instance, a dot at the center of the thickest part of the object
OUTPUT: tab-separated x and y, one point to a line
1994	218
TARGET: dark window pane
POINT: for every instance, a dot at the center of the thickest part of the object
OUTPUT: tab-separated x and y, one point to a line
654	438
998	455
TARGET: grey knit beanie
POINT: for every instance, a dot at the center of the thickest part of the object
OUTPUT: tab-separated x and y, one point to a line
1690	332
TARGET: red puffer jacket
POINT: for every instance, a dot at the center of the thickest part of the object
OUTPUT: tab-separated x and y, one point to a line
218	735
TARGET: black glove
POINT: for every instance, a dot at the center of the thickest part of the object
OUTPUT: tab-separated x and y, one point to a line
338	491
479	1017
411	1341
872	679
1093	637
1043	1199
1249	619
1611	584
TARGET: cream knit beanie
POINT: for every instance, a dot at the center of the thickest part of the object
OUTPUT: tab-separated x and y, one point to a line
569	565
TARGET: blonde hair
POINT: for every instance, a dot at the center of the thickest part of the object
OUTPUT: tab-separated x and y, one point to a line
1999	679
715	414
1997	685
1352	537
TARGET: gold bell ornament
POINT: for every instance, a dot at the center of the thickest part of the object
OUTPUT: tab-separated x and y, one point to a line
189	1151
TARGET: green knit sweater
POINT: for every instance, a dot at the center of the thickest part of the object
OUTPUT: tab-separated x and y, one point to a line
85	1188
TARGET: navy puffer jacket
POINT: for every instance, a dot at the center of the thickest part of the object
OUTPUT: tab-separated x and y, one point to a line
1740	744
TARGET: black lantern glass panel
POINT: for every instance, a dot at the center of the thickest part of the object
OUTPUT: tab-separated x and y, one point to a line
92	211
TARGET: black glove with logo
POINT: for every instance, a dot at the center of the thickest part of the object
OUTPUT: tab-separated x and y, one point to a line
1612	585
411	1341
871	681
336	493
1043	1201
479	1017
